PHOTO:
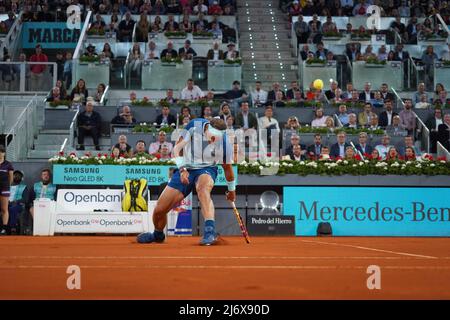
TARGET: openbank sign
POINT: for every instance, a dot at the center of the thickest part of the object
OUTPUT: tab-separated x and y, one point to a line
370	211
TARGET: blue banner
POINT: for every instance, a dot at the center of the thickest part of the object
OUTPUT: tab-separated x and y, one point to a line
78	174
370	211
51	35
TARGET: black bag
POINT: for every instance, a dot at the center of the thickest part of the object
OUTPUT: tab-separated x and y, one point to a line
324	229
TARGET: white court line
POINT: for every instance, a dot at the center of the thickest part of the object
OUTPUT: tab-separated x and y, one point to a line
220	267
207	257
371	249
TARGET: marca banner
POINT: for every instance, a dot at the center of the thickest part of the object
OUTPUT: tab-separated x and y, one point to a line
89	200
116	174
105	223
51	35
370	211
179	219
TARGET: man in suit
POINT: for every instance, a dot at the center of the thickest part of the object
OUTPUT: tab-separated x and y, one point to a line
186	52
245	119
215	53
314	151
295	140
330	94
338	149
352	51
362	146
297	153
201	24
165	117
305	52
272	93
290	94
321	52
89	123
347	94
408	142
385	94
387	115
170	25
432	124
366	95
169	51
364	117
444	132
399	54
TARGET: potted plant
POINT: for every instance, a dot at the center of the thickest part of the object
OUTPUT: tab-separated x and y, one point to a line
176	60
175	34
315	62
145	102
233	61
332	35
375	63
60	104
96	32
202	34
89	59
360	35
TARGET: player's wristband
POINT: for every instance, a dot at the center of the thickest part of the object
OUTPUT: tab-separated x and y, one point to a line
231	185
179	161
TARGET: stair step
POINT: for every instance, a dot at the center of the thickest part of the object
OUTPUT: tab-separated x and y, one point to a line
54	131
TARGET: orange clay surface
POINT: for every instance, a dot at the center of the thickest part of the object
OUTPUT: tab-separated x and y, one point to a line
115	267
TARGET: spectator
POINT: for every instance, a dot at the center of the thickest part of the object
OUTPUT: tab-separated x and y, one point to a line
169	52
140	149
423	103
410	154
360	9
207	112
432	124
225	112
295	141
338	149
438	89
442	98
186	52
301	30
98	24
444	132
290	94
215	9
170	25
123	146
6	178
325	154
319	118
157	25
185	24
387	115
329	124
163	154
67	74
62	89
352	51
385	94
152	52
185	112
90	51
125	118
18	200
428	59
343	115
201	24
364	117
126	27
169	97
44	189
107	52
215	53
392	154
236	92
419	93
278	102
79	93
350	154
37	70
55	95
362	146
314	151
100	92
400	54
297	154
9	72
165	118
59	65
408	142
383	148
136	59
231	53
292	123
305	53
375	155
366	95
352	121
321	52
89	123
200	8
156	146
331	94
408	117
230	123
396	128
191	91
174	6
113	25
245	119
373	124
259	96
347	95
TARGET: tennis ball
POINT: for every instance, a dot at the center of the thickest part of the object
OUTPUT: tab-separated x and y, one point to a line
318	84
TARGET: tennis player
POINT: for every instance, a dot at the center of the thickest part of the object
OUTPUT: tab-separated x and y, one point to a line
200	149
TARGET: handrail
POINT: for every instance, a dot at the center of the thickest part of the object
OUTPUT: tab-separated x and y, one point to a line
396	35
71	129
63	146
338	121
442	151
357	151
399	99
413	67
126	77
15	29
76	53
425	137
444	25
103	98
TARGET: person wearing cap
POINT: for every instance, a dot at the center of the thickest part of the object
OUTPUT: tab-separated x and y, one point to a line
89	123
169	52
231	53
90	51
37	70
6	178
17	202
236	92
215	53
186	52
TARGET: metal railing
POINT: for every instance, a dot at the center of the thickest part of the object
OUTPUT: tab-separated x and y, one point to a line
442	152
104	96
399	104
12	38
79	47
423	133
72	128
22	133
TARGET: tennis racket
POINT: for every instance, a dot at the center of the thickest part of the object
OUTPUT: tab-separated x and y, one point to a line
241	223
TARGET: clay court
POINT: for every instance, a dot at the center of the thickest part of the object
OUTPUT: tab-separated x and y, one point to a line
269	268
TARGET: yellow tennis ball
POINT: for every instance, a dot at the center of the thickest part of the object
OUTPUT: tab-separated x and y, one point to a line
318	84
